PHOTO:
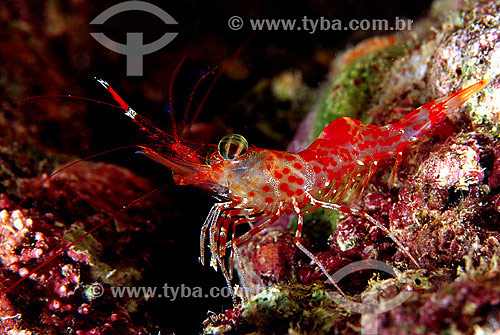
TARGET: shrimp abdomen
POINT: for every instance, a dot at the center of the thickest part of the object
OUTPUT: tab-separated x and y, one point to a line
369	142
427	116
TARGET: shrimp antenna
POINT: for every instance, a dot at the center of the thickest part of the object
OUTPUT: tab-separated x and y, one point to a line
69	165
60	170
64	96
191	97
223	69
144	124
171	96
91	231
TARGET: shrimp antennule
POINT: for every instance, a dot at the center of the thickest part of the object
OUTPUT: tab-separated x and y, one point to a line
144	124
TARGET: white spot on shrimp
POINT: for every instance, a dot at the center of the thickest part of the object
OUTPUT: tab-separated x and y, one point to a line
103	83
275	185
131	113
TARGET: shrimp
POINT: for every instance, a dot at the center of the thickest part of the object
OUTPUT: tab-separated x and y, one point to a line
256	186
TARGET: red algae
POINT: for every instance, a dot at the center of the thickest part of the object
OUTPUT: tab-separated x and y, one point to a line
27	241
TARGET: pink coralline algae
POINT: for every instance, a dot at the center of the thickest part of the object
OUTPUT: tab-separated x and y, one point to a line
275	258
60	293
89	189
27	242
451	167
494	180
468	305
454	165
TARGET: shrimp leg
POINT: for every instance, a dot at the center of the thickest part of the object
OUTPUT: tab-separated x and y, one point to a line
221	248
212	217
245	237
227	244
394	172
364	215
371	171
296	241
218	222
216	258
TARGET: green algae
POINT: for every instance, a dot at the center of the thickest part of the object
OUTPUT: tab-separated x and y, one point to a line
24	160
101	272
318	226
350	92
305	309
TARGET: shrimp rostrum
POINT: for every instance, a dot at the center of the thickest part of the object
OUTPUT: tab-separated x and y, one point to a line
256	186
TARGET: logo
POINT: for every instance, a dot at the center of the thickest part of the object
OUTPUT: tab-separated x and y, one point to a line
370	305
134	48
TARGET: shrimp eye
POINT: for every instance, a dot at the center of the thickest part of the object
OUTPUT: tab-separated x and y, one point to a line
232	146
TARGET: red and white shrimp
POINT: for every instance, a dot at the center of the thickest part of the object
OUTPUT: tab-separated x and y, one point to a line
257	186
